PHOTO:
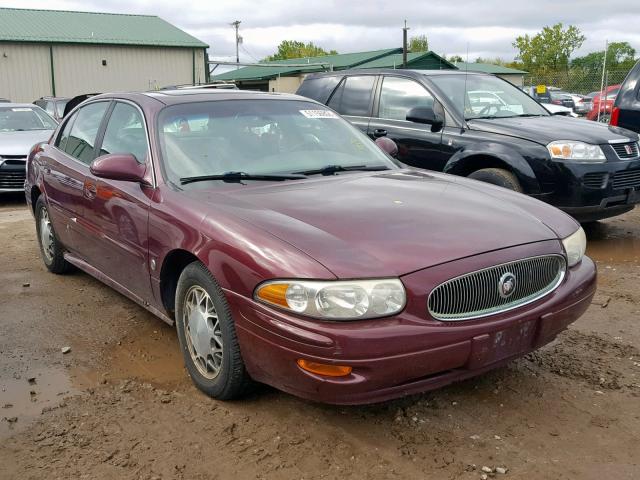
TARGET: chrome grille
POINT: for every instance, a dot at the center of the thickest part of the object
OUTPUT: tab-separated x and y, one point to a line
627	179
477	294
595	180
626	150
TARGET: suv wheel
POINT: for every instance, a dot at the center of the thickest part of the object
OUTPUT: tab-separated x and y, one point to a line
207	335
50	247
498	176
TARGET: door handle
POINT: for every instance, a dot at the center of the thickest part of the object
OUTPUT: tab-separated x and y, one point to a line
379	132
90	190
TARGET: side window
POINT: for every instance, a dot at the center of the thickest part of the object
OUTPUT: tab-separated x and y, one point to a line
353	96
64	135
125	133
399	95
82	137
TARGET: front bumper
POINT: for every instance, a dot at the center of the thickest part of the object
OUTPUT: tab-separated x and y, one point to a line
590	192
407	353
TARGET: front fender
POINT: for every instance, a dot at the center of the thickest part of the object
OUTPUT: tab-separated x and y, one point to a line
474	157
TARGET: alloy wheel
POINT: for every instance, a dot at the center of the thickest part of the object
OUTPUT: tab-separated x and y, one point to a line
202	332
46	235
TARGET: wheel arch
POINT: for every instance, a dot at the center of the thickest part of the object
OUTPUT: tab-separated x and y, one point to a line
34	195
470	161
173	264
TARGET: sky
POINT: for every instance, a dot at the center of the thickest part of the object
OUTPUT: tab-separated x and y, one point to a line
486	27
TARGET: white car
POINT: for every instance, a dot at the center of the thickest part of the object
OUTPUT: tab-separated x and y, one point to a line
559	110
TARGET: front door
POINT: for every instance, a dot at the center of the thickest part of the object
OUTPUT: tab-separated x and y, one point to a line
418	145
120	210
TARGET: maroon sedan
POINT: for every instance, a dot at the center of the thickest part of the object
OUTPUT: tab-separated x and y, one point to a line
288	249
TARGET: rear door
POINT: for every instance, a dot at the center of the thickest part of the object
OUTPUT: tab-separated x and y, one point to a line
119	211
67	165
628	101
418	145
353	99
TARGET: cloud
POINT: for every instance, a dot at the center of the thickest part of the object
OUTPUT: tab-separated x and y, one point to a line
486	28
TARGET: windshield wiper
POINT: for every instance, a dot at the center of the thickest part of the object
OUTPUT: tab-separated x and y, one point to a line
239	176
331	169
530	115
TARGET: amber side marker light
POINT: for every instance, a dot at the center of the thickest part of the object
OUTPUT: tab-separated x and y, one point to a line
324	368
275	293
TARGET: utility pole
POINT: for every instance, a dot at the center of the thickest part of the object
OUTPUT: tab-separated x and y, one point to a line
236	24
404	45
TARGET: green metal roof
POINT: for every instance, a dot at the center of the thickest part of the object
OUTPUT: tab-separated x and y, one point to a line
59	26
488	68
413	59
280	67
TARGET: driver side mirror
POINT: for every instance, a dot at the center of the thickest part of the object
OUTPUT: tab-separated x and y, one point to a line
427	116
119	166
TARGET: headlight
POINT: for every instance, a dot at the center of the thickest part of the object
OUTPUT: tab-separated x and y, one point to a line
335	300
576	151
575	246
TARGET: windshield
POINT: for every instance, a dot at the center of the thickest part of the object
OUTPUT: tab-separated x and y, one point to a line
261	137
484	96
18	119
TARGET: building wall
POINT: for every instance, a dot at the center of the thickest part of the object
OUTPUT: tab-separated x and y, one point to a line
517	79
285	84
25	71
78	69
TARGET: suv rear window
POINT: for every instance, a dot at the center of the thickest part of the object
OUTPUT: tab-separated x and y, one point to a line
318	89
353	96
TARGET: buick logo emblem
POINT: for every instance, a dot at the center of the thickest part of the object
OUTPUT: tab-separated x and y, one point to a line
507	285
628	149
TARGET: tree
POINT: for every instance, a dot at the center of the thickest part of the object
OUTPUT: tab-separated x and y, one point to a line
549	49
620	56
455	58
294	49
418	44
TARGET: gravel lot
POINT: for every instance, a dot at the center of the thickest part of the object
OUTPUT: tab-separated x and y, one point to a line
120	404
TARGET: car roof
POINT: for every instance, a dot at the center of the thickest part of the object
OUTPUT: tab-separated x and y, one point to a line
170	97
18	105
407	72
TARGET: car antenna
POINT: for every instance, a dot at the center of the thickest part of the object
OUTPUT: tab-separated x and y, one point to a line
466	74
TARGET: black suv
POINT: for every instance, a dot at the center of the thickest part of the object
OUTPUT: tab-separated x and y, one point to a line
626	108
482	127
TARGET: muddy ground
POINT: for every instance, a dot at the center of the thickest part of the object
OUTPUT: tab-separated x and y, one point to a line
120	404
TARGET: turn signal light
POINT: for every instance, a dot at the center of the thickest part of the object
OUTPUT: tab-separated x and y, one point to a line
324	369
274	293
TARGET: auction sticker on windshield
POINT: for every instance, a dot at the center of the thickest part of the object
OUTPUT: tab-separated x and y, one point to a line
318	114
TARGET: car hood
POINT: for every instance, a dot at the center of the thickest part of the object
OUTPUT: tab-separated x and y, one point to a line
544	130
390	224
20	143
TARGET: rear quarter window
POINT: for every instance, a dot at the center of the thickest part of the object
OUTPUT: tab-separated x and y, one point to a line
319	89
353	96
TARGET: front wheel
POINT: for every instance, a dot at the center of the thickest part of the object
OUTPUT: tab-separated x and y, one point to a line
50	247
207	335
498	176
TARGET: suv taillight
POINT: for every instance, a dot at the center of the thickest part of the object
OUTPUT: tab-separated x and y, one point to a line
615	113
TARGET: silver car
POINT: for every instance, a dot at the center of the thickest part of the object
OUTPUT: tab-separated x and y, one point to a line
22	125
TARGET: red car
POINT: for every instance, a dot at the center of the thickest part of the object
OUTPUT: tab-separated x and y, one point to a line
604	107
288	249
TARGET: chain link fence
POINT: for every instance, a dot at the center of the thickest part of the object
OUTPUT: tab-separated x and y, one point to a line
576	81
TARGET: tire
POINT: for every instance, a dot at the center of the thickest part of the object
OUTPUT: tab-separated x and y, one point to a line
498	176
51	249
606	118
211	353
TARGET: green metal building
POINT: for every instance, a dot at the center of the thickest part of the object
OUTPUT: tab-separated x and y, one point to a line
63	53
